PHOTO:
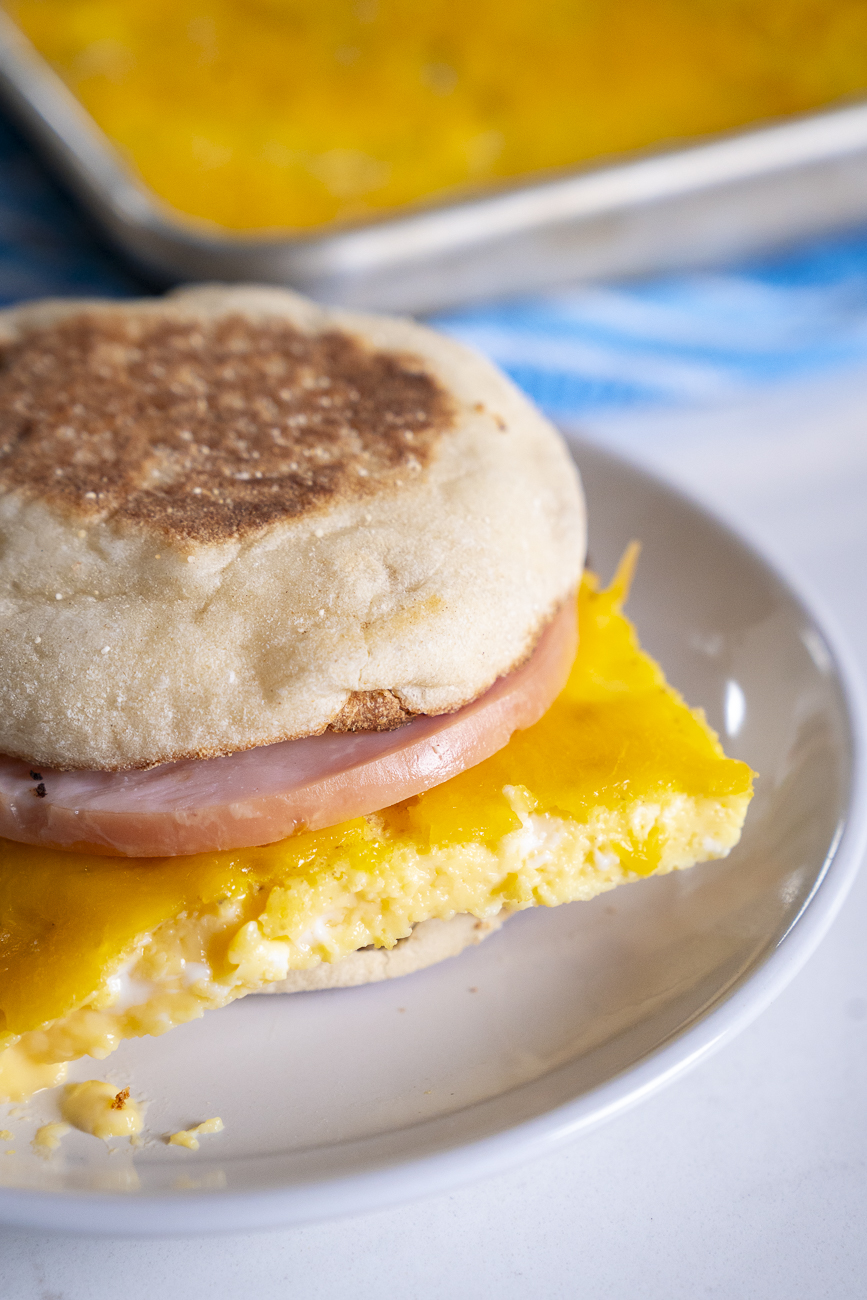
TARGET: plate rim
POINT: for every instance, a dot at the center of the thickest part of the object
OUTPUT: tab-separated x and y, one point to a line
316	1201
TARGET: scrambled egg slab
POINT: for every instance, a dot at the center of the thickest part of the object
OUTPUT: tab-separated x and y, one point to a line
285	114
619	780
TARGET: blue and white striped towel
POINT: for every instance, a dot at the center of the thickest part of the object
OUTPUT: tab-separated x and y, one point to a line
685	339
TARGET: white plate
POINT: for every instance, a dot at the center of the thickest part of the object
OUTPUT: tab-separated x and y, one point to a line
342	1101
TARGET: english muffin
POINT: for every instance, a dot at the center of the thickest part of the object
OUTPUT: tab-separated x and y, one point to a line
232	517
289	690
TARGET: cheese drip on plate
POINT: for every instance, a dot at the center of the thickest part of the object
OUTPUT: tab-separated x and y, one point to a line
619	780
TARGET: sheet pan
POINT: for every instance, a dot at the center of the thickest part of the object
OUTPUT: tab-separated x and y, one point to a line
700	204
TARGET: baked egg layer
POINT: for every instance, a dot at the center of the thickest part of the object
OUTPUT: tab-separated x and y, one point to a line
619	780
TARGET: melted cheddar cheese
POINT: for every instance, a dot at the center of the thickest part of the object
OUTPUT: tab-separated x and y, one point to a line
619	780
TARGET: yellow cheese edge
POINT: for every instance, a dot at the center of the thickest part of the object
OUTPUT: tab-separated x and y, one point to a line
547	861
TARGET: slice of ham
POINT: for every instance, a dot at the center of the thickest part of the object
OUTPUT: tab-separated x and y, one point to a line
265	794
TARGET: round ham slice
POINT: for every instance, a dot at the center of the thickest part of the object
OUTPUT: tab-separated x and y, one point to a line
262	795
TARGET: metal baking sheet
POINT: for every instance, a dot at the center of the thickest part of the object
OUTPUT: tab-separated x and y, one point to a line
691	206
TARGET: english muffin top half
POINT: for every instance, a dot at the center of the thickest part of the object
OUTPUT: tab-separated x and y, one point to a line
231	517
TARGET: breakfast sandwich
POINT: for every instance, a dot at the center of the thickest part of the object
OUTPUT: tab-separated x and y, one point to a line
302	683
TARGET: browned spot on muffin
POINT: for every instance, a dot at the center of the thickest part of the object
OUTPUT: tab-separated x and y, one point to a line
209	430
371	711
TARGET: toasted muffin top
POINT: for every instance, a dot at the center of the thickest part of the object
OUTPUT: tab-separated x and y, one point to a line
231	517
208	429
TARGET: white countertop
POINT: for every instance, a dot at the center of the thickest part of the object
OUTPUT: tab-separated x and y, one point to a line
744	1179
